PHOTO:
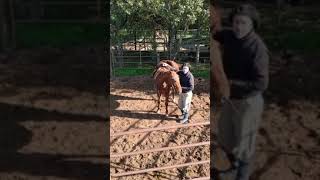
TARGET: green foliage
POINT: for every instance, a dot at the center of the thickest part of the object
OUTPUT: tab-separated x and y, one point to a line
135	15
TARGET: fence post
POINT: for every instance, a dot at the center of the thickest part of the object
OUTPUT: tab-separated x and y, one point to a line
197	53
7	25
158	58
99	9
112	62
140	63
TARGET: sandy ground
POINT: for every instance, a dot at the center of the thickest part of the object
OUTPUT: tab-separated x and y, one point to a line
53	116
288	142
53	110
133	107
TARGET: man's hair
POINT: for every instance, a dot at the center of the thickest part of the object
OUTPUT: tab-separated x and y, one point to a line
187	64
247	10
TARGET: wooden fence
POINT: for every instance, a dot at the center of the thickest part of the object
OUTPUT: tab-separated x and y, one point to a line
38	15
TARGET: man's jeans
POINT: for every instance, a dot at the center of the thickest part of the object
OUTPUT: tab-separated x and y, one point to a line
237	129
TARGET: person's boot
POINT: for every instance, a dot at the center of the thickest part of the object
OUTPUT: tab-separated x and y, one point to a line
243	171
185	118
230	173
182	114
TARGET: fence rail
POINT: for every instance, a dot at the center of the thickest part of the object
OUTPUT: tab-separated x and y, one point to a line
60	21
159	128
159	168
160	149
97	18
69	2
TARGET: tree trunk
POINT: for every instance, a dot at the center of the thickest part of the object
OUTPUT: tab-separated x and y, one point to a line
172	39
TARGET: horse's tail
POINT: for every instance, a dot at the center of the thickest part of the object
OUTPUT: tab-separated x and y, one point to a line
155	73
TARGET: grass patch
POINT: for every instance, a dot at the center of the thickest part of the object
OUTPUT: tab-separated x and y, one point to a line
125	72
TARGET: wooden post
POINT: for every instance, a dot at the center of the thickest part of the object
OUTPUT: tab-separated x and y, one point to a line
140	63
7	25
2	25
197	53
111	62
158	58
99	9
13	25
35	9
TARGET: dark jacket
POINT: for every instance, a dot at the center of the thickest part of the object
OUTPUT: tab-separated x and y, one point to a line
245	62
186	81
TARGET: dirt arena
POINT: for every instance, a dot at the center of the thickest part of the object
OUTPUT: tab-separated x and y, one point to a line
288	142
133	102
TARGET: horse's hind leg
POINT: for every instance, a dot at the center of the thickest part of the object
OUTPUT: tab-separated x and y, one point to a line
167	101
173	93
159	98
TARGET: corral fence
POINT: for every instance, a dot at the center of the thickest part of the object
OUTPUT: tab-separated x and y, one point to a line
20	12
144	51
59	11
146	130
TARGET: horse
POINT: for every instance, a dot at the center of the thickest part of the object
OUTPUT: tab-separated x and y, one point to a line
166	79
173	66
219	81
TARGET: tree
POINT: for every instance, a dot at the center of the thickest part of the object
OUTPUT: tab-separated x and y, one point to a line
152	15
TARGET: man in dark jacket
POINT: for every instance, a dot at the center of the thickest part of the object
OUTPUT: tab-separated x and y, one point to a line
187	84
245	61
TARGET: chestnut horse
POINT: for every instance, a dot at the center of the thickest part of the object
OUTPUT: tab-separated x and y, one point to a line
173	66
166	79
219	81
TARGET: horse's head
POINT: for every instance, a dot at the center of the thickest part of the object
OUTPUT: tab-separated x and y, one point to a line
175	81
